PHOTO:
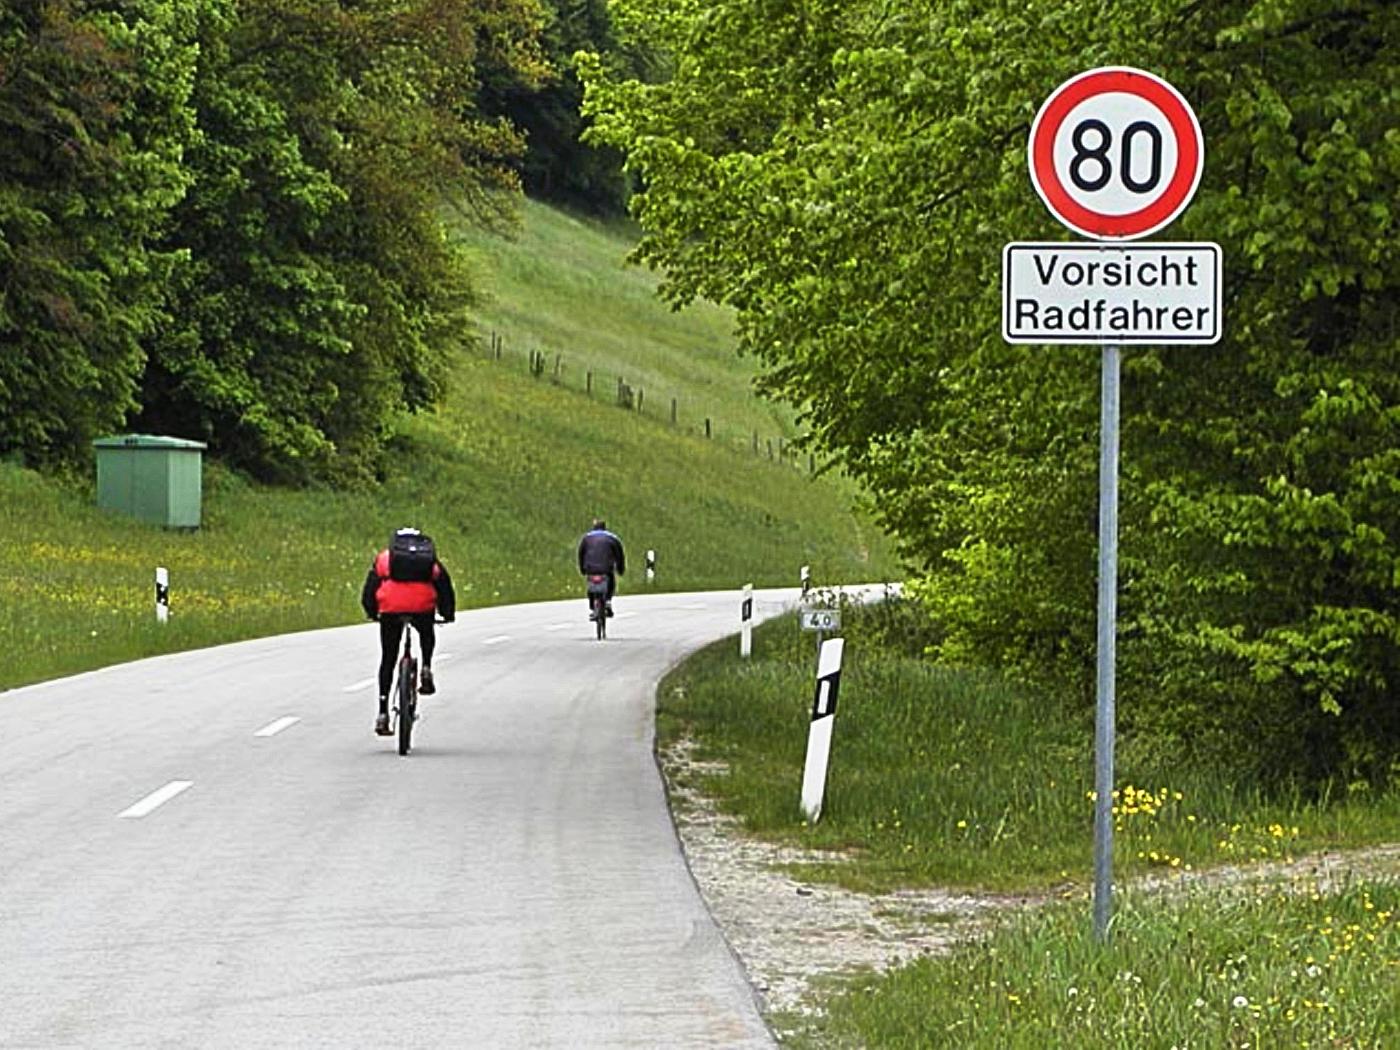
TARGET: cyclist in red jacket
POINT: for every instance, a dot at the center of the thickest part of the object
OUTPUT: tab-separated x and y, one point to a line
406	578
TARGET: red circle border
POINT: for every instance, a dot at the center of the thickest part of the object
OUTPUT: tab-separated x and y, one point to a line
1168	204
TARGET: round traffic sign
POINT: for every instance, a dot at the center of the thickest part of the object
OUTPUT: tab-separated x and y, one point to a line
1116	153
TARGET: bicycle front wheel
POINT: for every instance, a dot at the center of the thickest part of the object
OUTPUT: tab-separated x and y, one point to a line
408	703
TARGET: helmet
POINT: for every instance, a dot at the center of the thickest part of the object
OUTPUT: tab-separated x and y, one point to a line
599	523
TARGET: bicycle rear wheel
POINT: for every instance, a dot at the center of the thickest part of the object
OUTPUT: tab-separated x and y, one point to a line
408	703
600	617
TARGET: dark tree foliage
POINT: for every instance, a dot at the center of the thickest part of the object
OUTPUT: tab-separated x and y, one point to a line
325	293
558	166
224	219
93	121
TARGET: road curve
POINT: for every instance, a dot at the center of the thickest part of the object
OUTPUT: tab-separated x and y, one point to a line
213	850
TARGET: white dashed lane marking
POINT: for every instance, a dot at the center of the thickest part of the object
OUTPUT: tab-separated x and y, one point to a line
156	799
496	640
273	728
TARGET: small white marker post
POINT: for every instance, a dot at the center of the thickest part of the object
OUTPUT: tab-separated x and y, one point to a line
651	566
162	595
746	622
806	579
819	733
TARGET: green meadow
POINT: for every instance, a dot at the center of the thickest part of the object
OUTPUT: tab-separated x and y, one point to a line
505	475
563	289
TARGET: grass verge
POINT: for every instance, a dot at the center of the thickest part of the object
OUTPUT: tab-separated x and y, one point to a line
955	778
1299	964
961	779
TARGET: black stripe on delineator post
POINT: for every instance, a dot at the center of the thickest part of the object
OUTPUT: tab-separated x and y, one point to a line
824	702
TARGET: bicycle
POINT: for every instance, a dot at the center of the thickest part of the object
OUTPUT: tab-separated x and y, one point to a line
406	687
598	602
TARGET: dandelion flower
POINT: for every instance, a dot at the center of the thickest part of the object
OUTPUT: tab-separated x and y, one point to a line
1239	1002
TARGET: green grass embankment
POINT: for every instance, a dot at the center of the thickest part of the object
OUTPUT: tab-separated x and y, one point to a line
943	777
564	288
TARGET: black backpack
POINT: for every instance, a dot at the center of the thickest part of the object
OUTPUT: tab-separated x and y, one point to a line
411	557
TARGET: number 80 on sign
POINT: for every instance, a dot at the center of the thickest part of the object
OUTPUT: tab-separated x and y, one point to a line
1116	153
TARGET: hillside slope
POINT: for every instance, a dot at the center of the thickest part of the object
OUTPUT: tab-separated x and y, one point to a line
505	475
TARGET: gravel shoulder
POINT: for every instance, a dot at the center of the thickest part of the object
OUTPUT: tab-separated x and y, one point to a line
792	936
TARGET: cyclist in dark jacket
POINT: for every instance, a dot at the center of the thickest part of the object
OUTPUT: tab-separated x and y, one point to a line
601	552
386	599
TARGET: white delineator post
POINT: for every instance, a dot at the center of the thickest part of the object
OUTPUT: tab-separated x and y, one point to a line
651	566
162	595
746	622
819	733
806	579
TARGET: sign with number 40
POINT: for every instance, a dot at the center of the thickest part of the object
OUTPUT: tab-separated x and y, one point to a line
821	619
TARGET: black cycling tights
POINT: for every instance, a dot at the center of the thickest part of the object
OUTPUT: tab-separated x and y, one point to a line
390	634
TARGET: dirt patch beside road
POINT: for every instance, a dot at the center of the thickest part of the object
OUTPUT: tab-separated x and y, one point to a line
791	935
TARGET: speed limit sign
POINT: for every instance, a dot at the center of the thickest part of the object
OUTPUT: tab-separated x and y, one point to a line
1116	153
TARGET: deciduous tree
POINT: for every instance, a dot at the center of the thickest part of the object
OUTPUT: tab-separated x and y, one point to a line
845	175
326	293
94	120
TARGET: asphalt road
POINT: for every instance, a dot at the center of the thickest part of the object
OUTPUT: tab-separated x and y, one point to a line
213	849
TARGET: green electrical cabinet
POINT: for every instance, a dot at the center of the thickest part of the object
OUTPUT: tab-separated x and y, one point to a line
156	479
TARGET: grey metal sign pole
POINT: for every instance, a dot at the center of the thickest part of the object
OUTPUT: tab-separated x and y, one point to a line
1107	647
1116	154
